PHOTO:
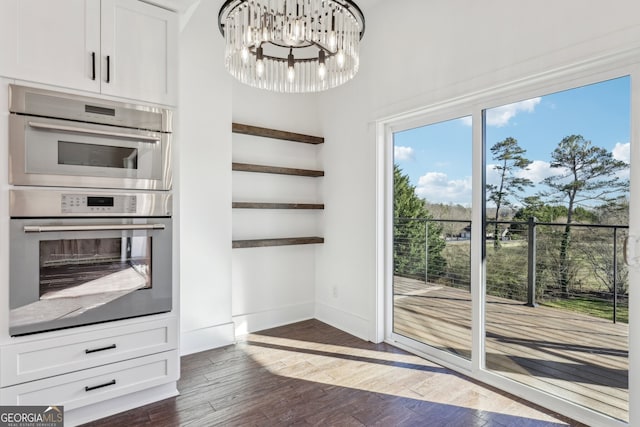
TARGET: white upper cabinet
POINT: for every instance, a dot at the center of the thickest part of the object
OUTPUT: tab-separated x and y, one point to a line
53	42
139	51
123	48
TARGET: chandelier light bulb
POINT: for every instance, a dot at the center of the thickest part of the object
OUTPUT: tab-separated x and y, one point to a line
333	41
314	43
322	71
259	62
291	71
322	67
297	29
340	59
244	54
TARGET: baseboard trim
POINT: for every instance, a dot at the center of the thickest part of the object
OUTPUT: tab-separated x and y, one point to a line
253	322
206	338
347	322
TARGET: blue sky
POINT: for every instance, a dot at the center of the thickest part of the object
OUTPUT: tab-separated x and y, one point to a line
437	157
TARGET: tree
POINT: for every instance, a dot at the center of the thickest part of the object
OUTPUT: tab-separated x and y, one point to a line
533	206
586	174
410	219
597	252
457	212
510	159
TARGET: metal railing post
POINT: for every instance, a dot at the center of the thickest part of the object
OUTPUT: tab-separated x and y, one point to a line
531	264
615	273
426	251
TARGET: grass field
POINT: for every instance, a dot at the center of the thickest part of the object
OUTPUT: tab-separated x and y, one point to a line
506	277
596	308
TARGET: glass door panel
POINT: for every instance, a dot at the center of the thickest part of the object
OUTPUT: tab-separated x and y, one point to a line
432	235
557	199
76	267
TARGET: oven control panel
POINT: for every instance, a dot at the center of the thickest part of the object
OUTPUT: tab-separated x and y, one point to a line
36	203
98	204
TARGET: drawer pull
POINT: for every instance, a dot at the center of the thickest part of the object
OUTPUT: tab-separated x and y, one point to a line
112	382
93	65
95	350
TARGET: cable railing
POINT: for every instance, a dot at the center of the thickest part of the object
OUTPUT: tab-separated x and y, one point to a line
575	267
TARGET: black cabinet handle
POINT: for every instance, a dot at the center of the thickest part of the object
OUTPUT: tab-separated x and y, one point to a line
93	65
108	69
112	382
95	350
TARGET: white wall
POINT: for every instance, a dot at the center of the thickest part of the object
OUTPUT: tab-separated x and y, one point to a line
203	144
274	285
438	51
255	288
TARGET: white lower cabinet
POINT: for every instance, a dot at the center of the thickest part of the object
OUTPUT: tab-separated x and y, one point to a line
33	360
77	369
95	385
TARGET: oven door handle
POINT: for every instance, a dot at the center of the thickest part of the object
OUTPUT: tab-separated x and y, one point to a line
105	227
75	129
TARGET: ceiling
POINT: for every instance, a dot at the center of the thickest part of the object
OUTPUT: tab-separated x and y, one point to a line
183	5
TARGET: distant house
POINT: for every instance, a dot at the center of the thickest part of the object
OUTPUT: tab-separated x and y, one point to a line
465	234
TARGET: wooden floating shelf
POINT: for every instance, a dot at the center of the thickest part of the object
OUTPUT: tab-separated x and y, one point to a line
262	243
260	205
247	167
276	134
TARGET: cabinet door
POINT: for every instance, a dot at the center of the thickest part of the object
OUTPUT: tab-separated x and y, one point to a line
139	51
51	42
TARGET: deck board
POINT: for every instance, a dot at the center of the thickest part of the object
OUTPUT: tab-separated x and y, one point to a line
581	358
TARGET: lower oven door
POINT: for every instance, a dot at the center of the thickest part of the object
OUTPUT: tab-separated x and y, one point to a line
73	272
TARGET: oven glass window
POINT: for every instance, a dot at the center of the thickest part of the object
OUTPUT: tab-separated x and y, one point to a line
80	154
83	267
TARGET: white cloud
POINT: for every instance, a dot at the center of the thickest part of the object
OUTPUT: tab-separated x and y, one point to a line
536	172
403	153
500	116
436	187
492	175
467	121
622	152
539	170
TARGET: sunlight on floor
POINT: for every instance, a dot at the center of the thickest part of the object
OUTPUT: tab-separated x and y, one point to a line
398	374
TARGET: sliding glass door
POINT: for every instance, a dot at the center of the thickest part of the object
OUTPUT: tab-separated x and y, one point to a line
432	235
557	217
507	241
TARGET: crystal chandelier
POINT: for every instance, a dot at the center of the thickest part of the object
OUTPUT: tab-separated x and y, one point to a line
292	46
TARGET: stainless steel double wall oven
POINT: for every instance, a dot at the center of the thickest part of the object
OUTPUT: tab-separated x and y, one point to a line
91	207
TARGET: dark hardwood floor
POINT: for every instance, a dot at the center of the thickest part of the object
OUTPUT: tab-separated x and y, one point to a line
309	373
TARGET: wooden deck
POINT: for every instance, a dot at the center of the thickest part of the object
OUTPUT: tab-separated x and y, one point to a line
580	358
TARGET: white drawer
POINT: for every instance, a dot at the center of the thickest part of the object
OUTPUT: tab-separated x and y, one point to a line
39	359
96	385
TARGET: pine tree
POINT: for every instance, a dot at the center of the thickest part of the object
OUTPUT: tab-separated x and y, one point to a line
410	219
587	174
510	159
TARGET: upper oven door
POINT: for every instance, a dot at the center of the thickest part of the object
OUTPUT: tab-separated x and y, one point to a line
53	152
